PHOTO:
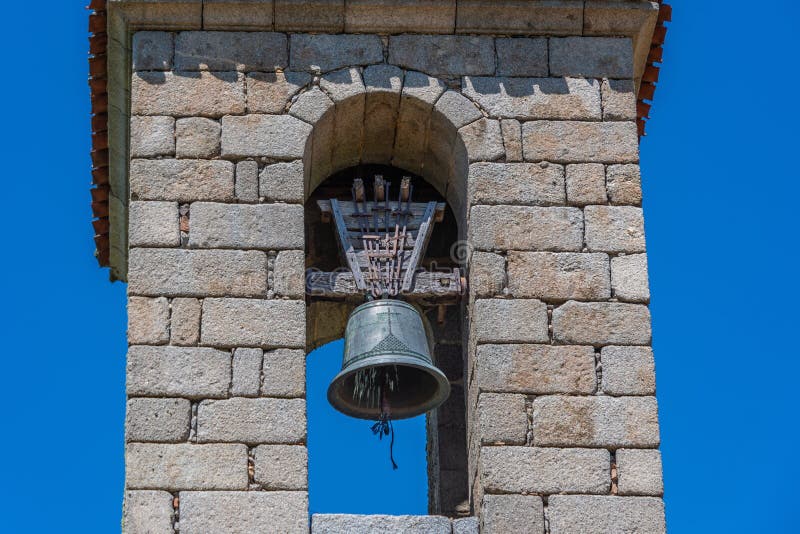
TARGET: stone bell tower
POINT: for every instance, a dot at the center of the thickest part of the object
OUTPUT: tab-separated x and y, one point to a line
219	124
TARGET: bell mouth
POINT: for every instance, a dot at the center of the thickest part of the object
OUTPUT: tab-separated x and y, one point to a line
420	388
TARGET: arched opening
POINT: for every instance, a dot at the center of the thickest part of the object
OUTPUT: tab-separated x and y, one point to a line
436	444
383	120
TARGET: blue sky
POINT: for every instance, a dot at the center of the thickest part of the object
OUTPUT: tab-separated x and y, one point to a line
720	184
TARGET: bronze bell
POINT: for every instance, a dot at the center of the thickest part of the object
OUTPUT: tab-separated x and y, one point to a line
387	370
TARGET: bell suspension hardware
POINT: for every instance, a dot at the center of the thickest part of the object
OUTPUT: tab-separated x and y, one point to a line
387	369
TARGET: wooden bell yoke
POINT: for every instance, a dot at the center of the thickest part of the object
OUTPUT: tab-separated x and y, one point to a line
383	241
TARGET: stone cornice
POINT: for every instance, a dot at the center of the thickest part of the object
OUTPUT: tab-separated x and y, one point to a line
630	18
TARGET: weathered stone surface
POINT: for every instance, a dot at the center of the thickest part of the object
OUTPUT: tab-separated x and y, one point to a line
309	15
522	56
326	321
562	17
252	322
593	57
595	514
572	141
457	109
601	17
245	420
545	470
597	421
601	323
453	489
246	188
147	512
418	95
179	466
342	85
185	324
536	98
559	276
383	84
320	146
443	55
289	277
516	183
263	226
624	184
246	378
162	420
619	100
502	418
526	228
227	50
614	228
338	149
197	137
281	467
191	372
422	89
639	472
152	136
504	514
586	184
283	182
148	320
483	140
311	105
237	14
443	152
369	524
383	79
181	180
629	278
466	525
284	373
628	370
535	369
272	136
197	273
395	16
152	50
183	94
487	274
512	139
322	53
244	512
269	92
508	321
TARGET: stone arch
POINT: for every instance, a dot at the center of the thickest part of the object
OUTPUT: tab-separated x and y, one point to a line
383	115
390	116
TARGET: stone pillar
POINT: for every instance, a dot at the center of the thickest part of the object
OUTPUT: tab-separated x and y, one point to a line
216	424
532	140
562	376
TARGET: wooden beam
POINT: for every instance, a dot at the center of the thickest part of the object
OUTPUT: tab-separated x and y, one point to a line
423	236
425	285
346	245
348	210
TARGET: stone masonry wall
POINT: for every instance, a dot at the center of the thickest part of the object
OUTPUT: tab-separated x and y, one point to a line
533	142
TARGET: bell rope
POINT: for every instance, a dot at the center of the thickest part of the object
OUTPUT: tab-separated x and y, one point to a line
384	427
